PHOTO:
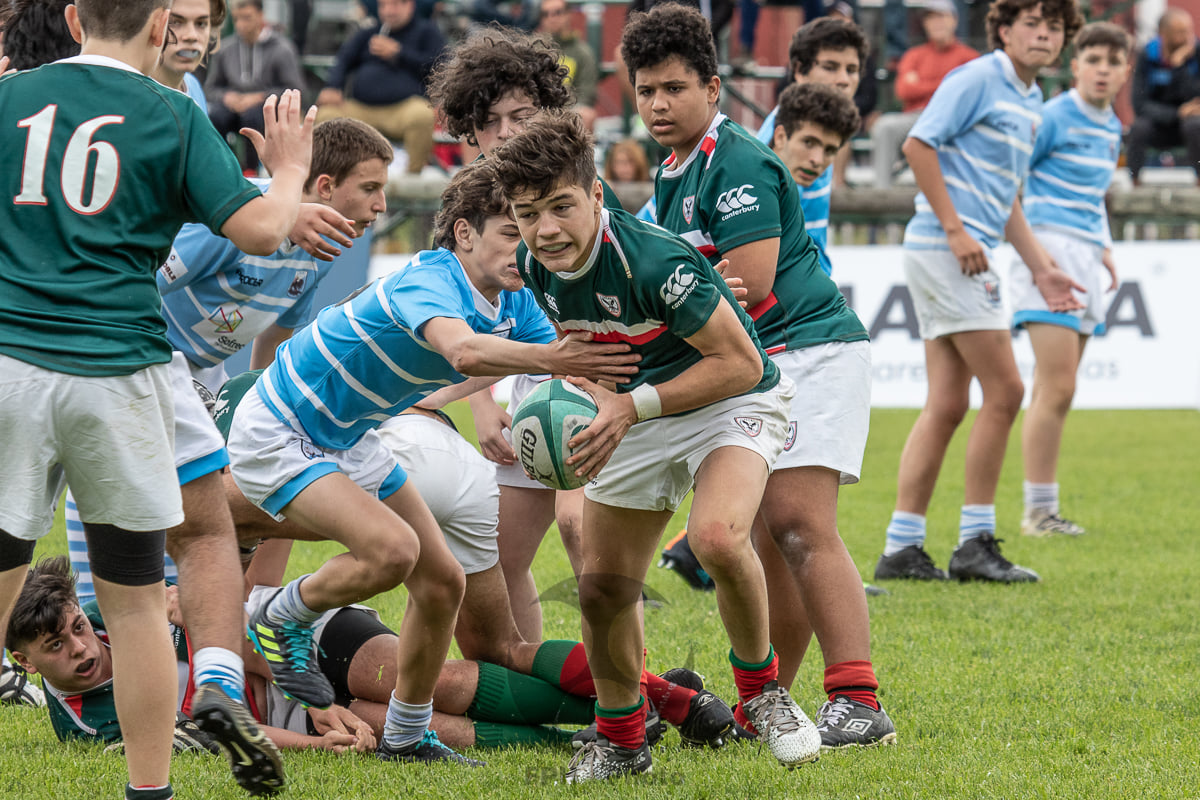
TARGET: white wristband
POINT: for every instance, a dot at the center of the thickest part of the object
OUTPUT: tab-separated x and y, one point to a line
646	402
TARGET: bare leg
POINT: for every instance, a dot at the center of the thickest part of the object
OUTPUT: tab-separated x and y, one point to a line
486	630
989	356
204	548
525	516
800	510
729	486
791	632
568	513
1058	352
144	678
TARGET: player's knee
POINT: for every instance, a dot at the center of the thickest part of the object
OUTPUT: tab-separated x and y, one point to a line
390	563
1006	397
602	596
439	587
720	546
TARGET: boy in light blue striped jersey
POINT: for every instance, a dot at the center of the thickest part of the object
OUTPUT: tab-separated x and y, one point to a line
1072	165
970	153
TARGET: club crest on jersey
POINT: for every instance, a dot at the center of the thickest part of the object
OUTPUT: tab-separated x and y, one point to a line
677	288
310	450
609	303
791	436
737	201
298	284
551	302
689	206
225	321
751	425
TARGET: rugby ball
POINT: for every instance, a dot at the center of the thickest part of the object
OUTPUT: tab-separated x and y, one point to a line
546	420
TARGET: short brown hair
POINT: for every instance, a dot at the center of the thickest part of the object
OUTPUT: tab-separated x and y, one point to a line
1003	13
340	145
116	20
554	151
48	593
473	195
489	65
824	33
1103	34
820	105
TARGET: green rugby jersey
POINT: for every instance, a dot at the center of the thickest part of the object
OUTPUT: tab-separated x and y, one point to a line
640	285
102	166
733	190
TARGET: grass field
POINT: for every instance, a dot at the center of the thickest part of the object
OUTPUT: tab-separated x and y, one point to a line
1084	685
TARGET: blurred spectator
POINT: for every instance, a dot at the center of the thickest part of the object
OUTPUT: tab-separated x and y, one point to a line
251	64
866	94
379	78
1166	93
301	14
918	74
626	162
36	33
577	56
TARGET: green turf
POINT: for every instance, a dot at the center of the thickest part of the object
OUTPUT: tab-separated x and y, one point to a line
1081	686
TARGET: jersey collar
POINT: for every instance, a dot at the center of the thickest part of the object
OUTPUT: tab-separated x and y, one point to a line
707	144
1090	111
602	235
98	61
1010	72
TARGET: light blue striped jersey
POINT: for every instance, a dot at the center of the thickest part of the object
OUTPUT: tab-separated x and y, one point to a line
364	360
216	298
982	121
1073	162
814	200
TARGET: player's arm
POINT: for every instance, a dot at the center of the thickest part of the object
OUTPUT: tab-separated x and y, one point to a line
315	222
754	264
731	365
927	172
262	351
476	354
259	226
1054	284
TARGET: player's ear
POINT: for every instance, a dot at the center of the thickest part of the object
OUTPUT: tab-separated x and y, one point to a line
464	235
598	193
713	89
779	139
72	15
23	661
324	187
159	18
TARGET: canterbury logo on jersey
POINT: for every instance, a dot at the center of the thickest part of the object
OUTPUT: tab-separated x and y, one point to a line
677	288
738	199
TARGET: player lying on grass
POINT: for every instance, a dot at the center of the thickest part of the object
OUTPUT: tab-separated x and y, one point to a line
303	445
459	487
722	405
477	704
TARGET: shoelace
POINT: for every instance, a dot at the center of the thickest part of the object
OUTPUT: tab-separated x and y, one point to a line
586	759
832	713
781	718
298	638
926	559
992	545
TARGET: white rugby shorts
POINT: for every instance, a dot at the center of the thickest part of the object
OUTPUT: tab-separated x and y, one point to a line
946	300
1079	259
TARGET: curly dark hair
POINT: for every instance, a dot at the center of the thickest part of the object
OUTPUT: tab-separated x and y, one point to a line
474	195
819	104
36	33
669	30
1003	13
553	151
48	593
488	65
825	33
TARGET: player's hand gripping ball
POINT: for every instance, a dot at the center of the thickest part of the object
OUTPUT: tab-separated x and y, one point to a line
546	420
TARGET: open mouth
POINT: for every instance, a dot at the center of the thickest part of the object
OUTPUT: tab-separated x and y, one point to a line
555	249
187	55
85	669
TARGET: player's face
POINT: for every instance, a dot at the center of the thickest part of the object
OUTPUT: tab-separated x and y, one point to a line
1032	41
493	255
360	197
190	30
554	17
676	104
71	658
1099	72
808	152
837	68
560	229
507	117
396	13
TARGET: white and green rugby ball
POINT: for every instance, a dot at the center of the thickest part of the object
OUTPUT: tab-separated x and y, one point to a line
546	420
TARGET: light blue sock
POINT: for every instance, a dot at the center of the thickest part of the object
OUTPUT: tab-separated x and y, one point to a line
405	724
976	521
218	665
288	607
1041	496
905	530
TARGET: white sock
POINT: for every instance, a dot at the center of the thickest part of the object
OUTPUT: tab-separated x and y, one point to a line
1042	497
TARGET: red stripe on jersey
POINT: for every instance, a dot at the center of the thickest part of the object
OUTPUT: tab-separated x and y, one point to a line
75	703
767	303
777	349
707	250
708	145
640	339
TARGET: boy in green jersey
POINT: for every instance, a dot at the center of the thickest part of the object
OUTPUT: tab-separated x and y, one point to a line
707	409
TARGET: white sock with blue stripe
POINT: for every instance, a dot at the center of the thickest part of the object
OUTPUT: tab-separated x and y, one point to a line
905	530
218	665
1041	496
975	521
405	724
286	606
